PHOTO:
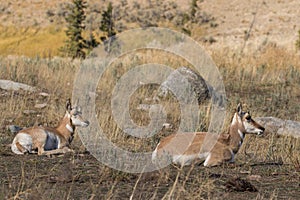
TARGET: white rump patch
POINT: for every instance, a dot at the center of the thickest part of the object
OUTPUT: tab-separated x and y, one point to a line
25	140
184	159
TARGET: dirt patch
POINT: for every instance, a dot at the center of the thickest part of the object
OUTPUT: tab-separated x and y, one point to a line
81	176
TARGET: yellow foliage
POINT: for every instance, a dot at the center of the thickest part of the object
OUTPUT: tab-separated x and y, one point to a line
31	42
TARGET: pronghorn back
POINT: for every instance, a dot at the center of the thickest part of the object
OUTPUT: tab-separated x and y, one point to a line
183	150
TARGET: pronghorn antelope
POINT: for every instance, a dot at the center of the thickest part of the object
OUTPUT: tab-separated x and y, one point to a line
224	149
46	140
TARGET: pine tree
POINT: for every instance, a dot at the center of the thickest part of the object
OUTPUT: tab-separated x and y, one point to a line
107	23
107	26
90	41
75	44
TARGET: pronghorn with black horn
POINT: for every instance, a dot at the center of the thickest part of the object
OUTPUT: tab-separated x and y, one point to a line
46	140
227	145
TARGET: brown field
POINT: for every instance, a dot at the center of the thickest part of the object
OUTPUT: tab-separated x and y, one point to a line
267	83
262	71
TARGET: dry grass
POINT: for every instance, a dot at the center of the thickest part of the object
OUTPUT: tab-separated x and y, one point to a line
267	82
43	42
54	77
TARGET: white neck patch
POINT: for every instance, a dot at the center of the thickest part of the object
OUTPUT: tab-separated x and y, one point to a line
241	134
69	128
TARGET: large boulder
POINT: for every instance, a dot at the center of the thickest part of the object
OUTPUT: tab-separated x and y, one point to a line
183	82
280	126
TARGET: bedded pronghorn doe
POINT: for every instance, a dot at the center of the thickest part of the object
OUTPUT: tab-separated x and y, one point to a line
46	140
180	152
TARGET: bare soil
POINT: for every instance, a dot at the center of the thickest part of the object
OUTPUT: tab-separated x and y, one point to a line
81	176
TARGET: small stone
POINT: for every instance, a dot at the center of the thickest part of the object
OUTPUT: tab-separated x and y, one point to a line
167	126
40	106
29	112
254	177
44	94
144	107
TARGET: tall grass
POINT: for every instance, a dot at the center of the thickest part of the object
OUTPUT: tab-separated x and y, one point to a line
53	76
267	82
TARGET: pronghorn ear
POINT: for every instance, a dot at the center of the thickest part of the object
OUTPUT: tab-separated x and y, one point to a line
77	107
239	109
69	105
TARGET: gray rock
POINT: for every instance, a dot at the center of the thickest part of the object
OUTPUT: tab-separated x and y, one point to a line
280	126
11	85
29	112
167	126
44	94
186	82
40	105
144	107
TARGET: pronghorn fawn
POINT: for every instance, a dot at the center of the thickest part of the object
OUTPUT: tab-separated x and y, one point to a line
46	140
227	145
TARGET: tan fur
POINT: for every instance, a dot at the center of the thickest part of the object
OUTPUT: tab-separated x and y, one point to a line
47	140
225	148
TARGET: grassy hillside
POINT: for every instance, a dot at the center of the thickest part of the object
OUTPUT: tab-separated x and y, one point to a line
31	42
41	34
226	23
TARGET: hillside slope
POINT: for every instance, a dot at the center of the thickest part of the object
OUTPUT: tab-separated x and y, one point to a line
240	23
269	21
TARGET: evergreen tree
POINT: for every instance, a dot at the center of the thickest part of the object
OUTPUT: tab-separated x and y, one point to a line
107	26
75	44
91	42
107	23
